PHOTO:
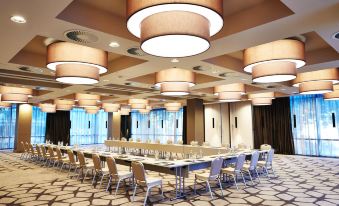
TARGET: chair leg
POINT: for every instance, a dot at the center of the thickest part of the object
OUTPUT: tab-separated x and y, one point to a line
222	193
94	178
256	171
243	179
146	196
209	188
102	177
267	174
273	171
162	192
116	189
195	182
249	173
235	180
109	182
135	189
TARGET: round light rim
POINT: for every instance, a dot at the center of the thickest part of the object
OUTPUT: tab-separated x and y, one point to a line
53	65
62	79
215	19
229	100
204	45
334	81
298	63
322	91
173	93
283	78
190	84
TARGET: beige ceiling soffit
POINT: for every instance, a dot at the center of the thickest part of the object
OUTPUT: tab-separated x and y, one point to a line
268	11
208	90
321	56
109	91
251	88
122	63
30	82
164	97
127	88
88	16
30	59
27	75
227	62
146	79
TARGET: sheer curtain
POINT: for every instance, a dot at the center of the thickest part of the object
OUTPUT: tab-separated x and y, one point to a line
38	128
88	128
315	125
158	124
7	127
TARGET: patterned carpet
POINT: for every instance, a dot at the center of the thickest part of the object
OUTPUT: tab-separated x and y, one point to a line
300	181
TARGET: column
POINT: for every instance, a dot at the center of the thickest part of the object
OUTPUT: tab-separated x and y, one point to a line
23	126
195	121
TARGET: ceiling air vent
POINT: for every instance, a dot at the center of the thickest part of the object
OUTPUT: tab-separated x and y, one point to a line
136	51
81	36
201	68
26	69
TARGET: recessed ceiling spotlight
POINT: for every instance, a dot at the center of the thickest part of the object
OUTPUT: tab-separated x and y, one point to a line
336	35
114	44
18	19
175	60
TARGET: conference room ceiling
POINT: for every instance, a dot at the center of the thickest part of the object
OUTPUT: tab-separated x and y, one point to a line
246	23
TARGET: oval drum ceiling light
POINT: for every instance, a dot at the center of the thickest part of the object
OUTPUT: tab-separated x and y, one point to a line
87	100
92	110
174	81
110	107
48	108
261	99
146	110
230	92
317	82
4	104
15	94
124	110
172	106
333	95
76	64
64	104
276	61
138	103
168	28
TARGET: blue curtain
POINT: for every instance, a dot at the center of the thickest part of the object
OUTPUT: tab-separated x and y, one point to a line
7	127
314	131
38	128
158	124
88	128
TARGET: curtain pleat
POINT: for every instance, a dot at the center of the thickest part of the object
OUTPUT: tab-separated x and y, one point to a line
38	128
58	127
7	127
272	125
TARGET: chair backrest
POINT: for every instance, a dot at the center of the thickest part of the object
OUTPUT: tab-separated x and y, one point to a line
43	151
81	158
179	141
38	150
254	160
71	156
225	145
131	140
50	151
240	162
169	141
139	173
123	139
242	146
206	144
265	147
270	156
23	146
216	166
96	162
112	166
59	155
31	148
28	147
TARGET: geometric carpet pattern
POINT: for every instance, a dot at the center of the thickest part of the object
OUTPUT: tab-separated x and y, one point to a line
299	181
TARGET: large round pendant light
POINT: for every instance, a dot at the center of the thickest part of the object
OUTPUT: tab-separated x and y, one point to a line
261	99
275	61
110	107
92	110
4	104
76	64
15	94
333	95
87	100
178	28
146	110
64	104
48	108
317	82
230	92
125	110
174	81
138	103
172	106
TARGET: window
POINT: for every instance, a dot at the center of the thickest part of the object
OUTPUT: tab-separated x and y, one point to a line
158	124
7	127
38	128
315	125
88	128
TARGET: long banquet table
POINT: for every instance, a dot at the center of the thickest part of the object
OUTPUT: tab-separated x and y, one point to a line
178	168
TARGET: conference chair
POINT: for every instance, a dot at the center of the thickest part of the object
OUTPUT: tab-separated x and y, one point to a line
61	160
52	158
72	162
98	170
252	166
45	155
235	171
142	181
212	175
84	165
265	147
38	150
116	175
268	164
34	154
25	154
